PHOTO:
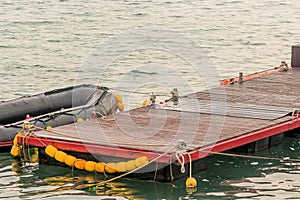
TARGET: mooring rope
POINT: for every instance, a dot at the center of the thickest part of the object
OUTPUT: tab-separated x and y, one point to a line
190	159
27	131
249	156
135	92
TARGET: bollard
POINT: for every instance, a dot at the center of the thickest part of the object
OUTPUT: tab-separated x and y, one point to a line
241	77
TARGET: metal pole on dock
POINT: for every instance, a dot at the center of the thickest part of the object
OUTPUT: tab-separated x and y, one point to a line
295	62
241	77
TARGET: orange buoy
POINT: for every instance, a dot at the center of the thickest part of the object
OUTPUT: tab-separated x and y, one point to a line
110	168
16	138
140	161
51	150
60	156
121	106
79	120
15	150
99	167
90	166
121	167
80	164
119	98
191	182
70	160
130	165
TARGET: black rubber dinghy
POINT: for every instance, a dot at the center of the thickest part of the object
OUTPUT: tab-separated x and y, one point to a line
54	108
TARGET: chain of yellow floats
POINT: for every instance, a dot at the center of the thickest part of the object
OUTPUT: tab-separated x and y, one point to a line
92	166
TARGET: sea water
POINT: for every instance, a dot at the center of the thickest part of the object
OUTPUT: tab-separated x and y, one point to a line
56	43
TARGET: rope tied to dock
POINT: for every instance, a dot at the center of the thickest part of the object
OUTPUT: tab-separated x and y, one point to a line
181	161
190	182
252	157
16	150
182	149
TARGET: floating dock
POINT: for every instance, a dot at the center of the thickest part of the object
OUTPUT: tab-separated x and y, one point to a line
257	110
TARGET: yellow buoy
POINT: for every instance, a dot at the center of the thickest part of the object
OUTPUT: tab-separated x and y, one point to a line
16	138
36	150
191	190
51	150
80	163
99	167
121	167
69	160
144	103
140	161
90	166
110	168
79	120
15	150
60	156
48	127
15	165
191	182
130	165
34	158
121	106
119	98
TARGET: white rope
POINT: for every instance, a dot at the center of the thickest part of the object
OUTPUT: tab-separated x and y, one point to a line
182	162
190	164
182	169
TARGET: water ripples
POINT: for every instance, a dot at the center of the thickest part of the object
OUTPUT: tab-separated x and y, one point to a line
43	44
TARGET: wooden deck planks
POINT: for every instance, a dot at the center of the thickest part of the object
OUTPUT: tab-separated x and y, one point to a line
278	89
193	133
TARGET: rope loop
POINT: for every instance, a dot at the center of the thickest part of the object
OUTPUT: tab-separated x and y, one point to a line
181	161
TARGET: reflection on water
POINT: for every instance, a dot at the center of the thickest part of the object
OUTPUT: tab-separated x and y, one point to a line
224	178
48	41
47	182
281	184
257	179
276	185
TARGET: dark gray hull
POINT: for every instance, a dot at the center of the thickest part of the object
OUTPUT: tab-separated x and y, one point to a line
54	108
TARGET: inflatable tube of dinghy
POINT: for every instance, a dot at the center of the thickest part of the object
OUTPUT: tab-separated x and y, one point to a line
100	101
16	110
